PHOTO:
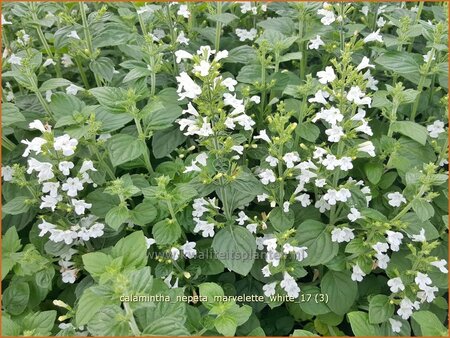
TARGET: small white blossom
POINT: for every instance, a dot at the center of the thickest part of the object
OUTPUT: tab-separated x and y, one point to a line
396	199
365	63
267	176
396	284
189	249
269	289
334	133
340	235
184	12
315	43
422	280
420	237
435	129
72	186
73	89
244	34
396	325
354	215
80	206
374	36
367	147
327	75
182	39
66	144
289	285
440	264
191	89
74	35
65	166
357	273
394	239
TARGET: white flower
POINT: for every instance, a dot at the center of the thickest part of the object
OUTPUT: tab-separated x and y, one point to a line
396	284
175	253
380	247
33	145
7	173
320	97
263	136
182	39
346	163
427	56
366	129
304	199
15	60
382	260
69	276
289	285
354	214
315	43
252	227
206	228
189	249
191	89
269	289
422	280
357	273
365	63
182	55
36	124
48	95
242	218
367	147
74	35
50	188
326	75
291	158
45	227
340	235
266	271
229	83
396	199
221	55
244	34
145	9
328	16
406	307
80	206
435	129
72	186
300	253
332	115
358	97
286	206
44	169
396	325
87	165
320	183
65	144
440	265
184	12
318	153
73	89
371	81
256	99
427	294
394	239
262	197
203	68
49	202
66	61
149	242
322	205
267	176
420	237
201	159
65	166
374	36
334	133
5	22
271	244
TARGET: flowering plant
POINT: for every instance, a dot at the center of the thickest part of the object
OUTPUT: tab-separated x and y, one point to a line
224	168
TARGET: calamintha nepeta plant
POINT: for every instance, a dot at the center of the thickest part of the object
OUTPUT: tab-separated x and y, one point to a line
224	168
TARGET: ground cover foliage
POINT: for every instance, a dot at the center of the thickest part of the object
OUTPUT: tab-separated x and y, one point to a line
291	154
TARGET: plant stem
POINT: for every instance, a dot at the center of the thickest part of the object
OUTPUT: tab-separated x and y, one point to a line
218	27
82	73
409	205
421	84
133	326
302	45
173	38
148	164
94	151
7	143
416	20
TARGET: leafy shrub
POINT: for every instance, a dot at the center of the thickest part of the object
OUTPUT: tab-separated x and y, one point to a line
224	168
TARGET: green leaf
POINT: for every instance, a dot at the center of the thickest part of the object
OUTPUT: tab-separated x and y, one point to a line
317	239
54	83
399	62
310	305
242	54
281	220
40	323
303	333
109	321
16	206
143	213
117	216
96	263
133	249
225	325
101	202
373	171
15	297
166	231
124	148
90	302
225	18
9	327
166	141
235	247
111	98
380	309
11	114
213	293
409	154
249	74
411	129
168	326
308	131
63	105
424	210
103	67
341	290
159	115
11	241
429	324
359	322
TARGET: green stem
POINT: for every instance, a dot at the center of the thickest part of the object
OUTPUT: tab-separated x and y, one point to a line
133	326
172	37
87	33
341	26
336	175
218	27
416	20
82	73
421	84
409	205
280	175
102	162
142	24
142	137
